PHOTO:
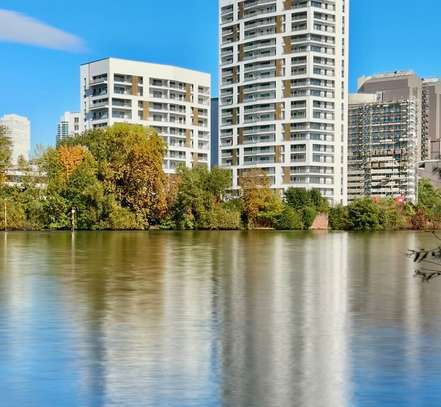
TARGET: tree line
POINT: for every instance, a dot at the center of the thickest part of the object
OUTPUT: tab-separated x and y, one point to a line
114	180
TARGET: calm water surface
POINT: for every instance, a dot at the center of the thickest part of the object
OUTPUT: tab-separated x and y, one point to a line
217	319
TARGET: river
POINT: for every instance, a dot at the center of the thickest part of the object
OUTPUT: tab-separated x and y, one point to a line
201	319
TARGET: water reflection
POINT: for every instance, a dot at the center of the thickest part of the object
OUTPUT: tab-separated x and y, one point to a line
216	319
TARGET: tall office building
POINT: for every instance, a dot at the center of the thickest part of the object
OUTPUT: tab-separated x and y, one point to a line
19	131
174	101
427	94
69	125
283	92
394	128
399	86
383	147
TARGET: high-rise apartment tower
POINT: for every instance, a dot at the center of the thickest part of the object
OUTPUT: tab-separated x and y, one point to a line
283	92
69	125
399	86
175	101
383	147
394	128
19	132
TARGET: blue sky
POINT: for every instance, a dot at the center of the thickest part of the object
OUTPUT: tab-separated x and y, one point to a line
42	81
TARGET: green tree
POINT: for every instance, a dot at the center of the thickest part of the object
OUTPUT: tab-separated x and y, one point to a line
198	202
300	198
121	219
392	215
72	183
339	218
5	153
217	181
364	215
261	205
16	217
308	215
289	219
308	203
129	162
30	194
429	201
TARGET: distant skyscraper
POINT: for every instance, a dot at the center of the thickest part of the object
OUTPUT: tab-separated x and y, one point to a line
19	131
214	132
394	126
398	86
69	125
174	101
432	115
382	147
283	92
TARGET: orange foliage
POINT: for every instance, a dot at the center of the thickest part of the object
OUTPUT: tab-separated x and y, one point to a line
70	158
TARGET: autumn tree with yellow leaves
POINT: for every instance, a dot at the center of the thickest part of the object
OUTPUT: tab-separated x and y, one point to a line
260	204
123	163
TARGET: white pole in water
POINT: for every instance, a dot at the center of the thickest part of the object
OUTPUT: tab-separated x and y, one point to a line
6	217
73	220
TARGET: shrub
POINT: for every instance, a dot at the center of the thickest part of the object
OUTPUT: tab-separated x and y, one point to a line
299	198
123	219
429	201
309	214
167	224
289	219
339	218
225	219
259	202
16	218
268	218
364	215
419	219
391	215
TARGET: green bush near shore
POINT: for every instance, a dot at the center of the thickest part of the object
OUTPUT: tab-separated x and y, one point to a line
289	219
367	214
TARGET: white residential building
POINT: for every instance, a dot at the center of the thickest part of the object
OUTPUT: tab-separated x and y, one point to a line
19	131
283	92
175	101
69	125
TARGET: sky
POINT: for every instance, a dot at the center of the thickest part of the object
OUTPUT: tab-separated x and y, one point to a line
43	43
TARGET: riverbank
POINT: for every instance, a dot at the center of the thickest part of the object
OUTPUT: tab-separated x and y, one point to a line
113	179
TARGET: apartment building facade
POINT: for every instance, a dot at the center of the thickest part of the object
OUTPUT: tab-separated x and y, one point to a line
382	147
19	132
215	132
394	128
283	92
398	86
174	101
69	125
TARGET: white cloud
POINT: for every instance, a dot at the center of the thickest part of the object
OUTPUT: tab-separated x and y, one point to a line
18	28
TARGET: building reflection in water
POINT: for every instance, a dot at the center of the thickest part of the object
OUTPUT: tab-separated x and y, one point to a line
284	336
205	319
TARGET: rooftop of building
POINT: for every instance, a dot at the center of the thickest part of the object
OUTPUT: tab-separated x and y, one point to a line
386	75
149	64
13	116
431	80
